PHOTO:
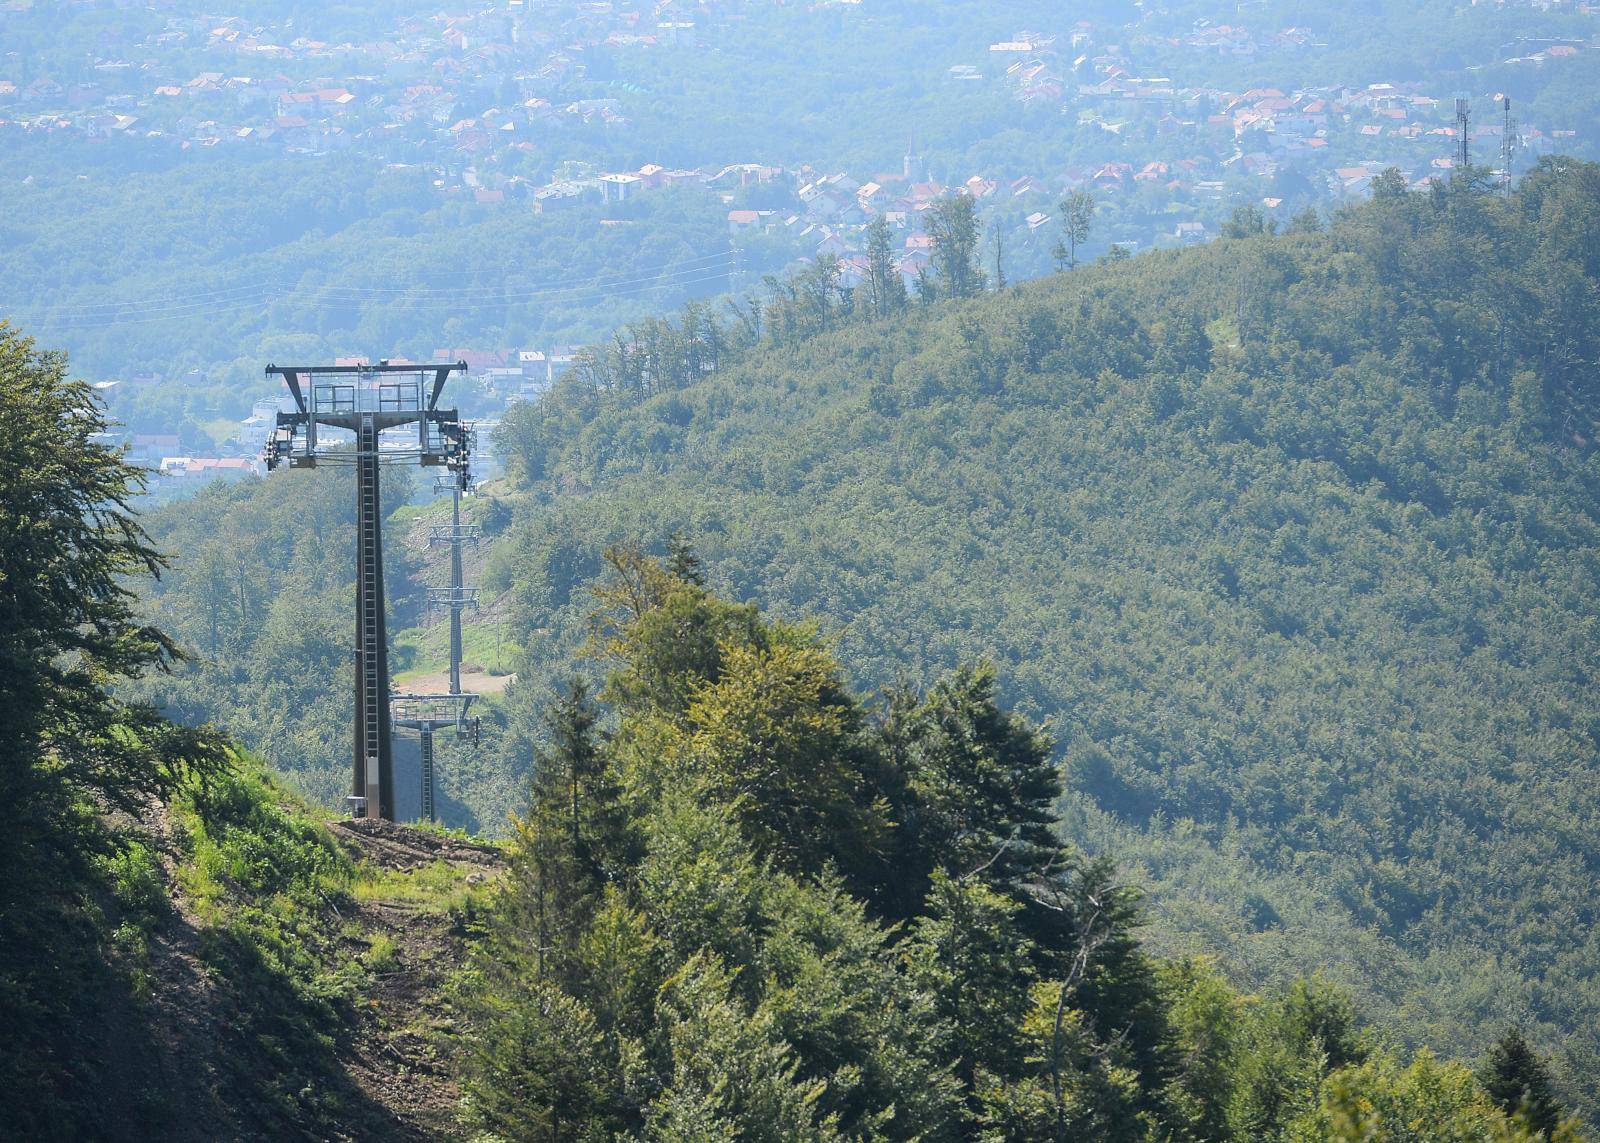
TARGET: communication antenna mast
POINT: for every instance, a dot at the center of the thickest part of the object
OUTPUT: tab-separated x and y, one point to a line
1463	121
370	401
1507	147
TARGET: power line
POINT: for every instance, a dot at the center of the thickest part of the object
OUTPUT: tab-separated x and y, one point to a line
700	273
219	294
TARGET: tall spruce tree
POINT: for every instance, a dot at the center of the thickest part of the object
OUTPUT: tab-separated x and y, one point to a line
1519	1081
982	781
567	845
683	562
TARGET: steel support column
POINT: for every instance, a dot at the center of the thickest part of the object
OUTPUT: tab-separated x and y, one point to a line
369	401
455	590
374	776
425	752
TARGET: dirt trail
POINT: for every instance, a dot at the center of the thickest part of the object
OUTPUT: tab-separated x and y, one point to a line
394	1056
192	1050
474	680
390	845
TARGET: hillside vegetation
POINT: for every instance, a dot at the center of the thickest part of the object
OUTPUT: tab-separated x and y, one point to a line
1291	540
755	908
759	910
186	950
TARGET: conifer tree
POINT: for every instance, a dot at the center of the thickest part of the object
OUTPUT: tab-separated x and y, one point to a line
982	781
532	1071
683	562
968	953
69	547
567	846
1518	1080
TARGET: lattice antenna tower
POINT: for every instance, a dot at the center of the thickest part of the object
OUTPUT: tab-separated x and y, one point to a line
1463	122
1508	146
374	403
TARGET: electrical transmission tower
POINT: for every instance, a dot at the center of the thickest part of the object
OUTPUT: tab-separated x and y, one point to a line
372	402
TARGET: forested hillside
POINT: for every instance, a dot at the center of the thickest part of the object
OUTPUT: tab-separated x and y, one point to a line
755	910
759	909
1291	540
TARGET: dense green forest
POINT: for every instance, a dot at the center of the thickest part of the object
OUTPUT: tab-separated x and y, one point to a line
1290	539
754	909
1155	701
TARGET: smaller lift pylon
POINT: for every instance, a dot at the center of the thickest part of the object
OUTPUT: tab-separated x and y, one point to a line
371	403
427	714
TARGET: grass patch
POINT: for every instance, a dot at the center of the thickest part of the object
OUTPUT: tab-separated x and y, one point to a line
382	954
455	833
267	881
440	888
425	650
134	873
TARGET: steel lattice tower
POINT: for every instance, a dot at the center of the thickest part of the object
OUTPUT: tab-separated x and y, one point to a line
1507	145
370	401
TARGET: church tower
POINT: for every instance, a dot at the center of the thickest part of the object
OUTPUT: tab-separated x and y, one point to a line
914	169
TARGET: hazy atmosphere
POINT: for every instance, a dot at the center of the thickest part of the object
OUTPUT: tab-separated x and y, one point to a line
754	570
